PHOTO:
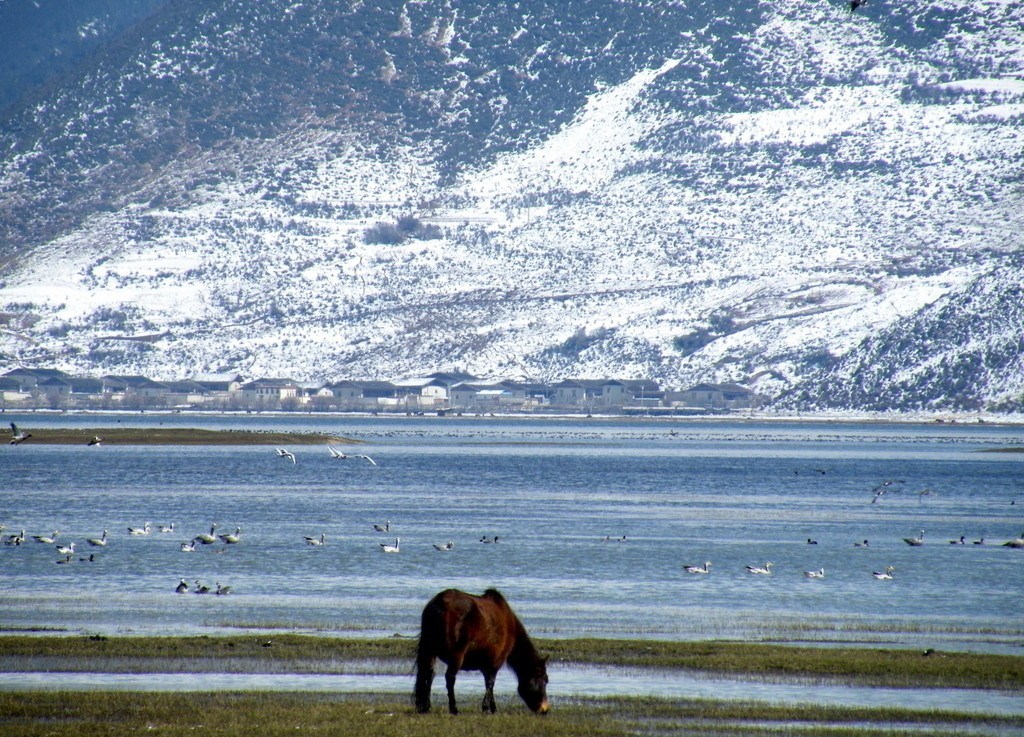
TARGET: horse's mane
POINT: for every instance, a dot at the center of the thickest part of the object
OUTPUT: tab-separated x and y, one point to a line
524	652
496	596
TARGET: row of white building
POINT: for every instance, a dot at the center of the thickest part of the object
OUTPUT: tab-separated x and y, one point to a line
436	392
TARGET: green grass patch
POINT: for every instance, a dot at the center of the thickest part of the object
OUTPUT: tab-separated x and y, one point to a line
312	653
262	714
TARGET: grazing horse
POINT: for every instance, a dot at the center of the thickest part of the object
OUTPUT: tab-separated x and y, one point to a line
477	633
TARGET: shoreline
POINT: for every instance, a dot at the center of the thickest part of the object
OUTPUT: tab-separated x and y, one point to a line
179	436
683	415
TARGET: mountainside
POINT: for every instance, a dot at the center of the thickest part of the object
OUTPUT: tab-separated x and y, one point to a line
823	204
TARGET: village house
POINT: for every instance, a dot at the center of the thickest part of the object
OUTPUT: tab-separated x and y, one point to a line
715	396
270	392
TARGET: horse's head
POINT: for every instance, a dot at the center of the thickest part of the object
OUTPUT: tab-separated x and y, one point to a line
533	687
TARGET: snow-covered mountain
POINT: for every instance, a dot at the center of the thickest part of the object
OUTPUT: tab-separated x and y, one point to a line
825	205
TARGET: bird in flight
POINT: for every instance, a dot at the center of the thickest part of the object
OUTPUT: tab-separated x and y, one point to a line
282	453
18	436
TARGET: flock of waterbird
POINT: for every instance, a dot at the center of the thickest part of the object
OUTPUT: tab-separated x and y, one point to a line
210	538
67	552
883	575
335	453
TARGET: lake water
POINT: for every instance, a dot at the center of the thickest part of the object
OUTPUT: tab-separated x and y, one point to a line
595	519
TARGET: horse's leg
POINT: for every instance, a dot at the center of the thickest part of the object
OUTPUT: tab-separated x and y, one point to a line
489	678
424	680
449	682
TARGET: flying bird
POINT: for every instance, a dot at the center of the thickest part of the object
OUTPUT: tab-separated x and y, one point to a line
854	4
18	436
96	440
282	453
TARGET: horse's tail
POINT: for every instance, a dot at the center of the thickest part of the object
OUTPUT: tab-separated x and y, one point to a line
425	658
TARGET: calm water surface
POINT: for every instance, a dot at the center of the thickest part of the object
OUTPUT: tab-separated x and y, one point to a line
595	520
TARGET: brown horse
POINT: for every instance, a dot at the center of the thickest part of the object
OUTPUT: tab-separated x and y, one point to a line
477	633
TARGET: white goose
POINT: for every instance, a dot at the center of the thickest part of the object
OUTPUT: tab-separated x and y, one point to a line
885	575
66	549
233	537
144	530
166	528
367	459
915	541
391	548
282	453
1017	542
48	539
315	541
765	570
706	568
208	538
189	547
820	573
98	542
450	545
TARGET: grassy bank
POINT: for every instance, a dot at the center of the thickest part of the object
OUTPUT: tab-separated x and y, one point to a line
314	654
271	714
176	436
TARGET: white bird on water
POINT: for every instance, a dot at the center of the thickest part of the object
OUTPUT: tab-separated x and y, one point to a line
706	568
144	530
765	570
885	575
450	545
48	539
189	547
915	541
207	538
233	537
99	542
315	541
166	528
820	573
66	549
390	548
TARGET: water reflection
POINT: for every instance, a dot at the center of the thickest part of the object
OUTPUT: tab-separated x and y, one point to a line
565	682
